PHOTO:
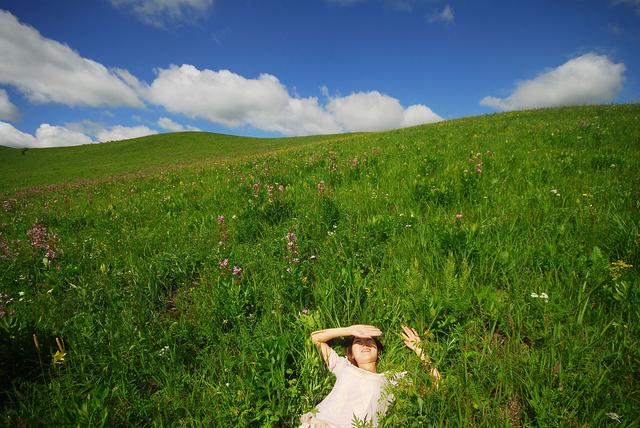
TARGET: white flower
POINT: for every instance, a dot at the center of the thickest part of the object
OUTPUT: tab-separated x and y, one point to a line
616	417
164	350
543	296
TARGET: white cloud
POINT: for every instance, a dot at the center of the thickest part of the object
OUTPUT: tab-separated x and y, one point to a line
59	136
162	13
373	111
72	134
587	79
7	110
170	125
226	98
48	71
46	136
117	133
419	114
229	99
11	137
366	111
446	15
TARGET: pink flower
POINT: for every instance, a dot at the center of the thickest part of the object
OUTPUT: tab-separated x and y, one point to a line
224	264
221	219
237	270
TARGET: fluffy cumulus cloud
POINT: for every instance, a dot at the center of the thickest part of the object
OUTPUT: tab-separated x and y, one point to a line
46	136
73	134
58	136
226	98
11	137
48	71
161	13
117	133
7	110
587	79
373	111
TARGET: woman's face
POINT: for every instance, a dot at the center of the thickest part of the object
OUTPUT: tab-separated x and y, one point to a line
364	350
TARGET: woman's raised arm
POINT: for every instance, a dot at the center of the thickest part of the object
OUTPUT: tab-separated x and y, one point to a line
413	342
321	337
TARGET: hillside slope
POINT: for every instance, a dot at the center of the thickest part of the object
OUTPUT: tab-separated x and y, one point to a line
186	297
21	169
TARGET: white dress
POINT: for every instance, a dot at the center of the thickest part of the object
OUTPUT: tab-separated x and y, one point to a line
357	393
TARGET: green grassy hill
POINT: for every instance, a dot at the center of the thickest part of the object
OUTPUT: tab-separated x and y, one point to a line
186	295
36	168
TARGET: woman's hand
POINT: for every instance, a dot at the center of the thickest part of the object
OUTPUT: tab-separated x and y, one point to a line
362	330
411	339
413	342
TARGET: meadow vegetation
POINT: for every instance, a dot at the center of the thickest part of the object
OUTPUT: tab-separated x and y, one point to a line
186	296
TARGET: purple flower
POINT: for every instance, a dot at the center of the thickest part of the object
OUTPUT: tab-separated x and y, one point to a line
237	270
37	234
220	219
291	237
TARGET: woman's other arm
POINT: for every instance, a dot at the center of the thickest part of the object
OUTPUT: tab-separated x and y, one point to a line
413	342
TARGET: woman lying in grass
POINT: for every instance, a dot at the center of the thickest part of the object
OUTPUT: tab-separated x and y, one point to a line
360	393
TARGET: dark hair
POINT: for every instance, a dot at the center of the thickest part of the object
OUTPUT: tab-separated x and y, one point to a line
348	344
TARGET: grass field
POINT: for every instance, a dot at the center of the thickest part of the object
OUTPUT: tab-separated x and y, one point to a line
185	296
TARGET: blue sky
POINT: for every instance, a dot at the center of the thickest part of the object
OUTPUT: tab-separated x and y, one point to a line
75	72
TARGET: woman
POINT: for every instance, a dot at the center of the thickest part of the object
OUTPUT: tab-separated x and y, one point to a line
360	392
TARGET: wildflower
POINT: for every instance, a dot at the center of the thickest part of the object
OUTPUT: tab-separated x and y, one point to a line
221	219
9	204
304	312
256	190
37	234
60	354
458	216
237	270
164	350
5	251
542	296
555	192
321	187
617	269
616	417
224	264
58	357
